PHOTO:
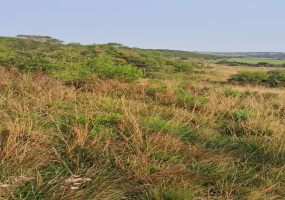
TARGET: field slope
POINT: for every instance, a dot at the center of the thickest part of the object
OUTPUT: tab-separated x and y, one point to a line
111	122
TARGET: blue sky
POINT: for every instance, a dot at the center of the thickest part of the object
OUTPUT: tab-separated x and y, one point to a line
192	25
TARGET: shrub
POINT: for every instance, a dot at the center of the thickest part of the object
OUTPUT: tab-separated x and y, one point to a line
106	67
7	56
153	91
155	125
250	77
240	115
231	92
160	71
181	66
186	99
249	93
276	78
272	78
262	64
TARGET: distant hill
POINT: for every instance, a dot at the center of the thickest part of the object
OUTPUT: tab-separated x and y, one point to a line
273	55
74	61
186	54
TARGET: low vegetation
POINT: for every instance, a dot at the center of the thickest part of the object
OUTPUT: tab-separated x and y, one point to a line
77	62
258	55
275	78
257	62
108	122
184	55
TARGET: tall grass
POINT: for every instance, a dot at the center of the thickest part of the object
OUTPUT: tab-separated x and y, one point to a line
151	139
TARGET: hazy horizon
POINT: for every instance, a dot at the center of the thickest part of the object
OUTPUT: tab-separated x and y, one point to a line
203	26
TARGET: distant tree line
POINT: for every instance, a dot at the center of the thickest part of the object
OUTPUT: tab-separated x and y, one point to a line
260	64
272	55
184	55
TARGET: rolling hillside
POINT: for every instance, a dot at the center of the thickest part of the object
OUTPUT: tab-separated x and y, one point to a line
105	121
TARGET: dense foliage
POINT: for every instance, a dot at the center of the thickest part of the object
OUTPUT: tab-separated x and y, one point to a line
183	55
272	78
75	61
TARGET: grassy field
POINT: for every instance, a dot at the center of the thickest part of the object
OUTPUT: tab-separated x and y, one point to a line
257	60
243	61
181	137
109	122
221	73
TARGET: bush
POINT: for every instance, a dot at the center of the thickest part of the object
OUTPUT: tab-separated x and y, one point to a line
276	78
240	115
7	56
186	99
106	67
181	66
153	91
231	92
272	78
250	77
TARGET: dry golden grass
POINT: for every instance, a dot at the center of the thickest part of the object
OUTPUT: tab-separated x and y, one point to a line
220	73
107	139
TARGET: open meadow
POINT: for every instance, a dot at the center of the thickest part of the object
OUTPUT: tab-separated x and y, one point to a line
258	60
155	139
180	131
